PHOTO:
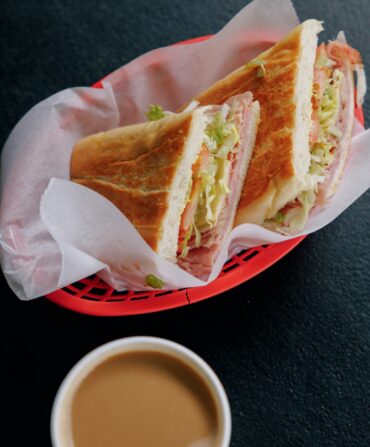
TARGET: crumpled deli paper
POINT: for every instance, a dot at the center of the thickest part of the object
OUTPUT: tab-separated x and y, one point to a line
55	232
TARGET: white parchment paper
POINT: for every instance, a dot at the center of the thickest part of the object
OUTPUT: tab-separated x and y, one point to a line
54	232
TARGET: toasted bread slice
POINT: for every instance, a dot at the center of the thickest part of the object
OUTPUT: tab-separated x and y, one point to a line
144	170
281	80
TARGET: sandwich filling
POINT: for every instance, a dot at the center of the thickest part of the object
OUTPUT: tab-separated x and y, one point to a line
332	119
214	188
217	177
211	178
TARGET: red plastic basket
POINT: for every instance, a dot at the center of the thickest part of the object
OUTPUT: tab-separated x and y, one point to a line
94	297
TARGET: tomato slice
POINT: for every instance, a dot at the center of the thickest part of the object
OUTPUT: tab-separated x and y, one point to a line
202	162
199	166
188	214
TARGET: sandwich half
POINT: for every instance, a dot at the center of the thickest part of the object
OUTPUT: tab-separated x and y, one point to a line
306	95
177	179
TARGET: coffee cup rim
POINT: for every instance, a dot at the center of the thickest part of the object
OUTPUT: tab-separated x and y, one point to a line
140	343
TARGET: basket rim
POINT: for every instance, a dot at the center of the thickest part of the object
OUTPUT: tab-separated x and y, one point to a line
158	301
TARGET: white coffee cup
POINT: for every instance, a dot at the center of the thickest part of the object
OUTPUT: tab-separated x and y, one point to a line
60	416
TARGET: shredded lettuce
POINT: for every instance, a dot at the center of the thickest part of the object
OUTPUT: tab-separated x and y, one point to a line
322	154
224	135
197	236
184	242
224	188
221	137
214	188
261	71
209	193
330	103
153	281
216	130
260	64
155	112
204	217
210	144
230	141
335	132
221	184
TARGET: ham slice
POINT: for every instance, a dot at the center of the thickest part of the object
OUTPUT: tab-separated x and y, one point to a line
199	261
347	60
345	125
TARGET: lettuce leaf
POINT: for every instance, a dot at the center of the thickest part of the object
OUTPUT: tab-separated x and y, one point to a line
216	130
197	236
260	65
155	112
184	243
231	138
153	281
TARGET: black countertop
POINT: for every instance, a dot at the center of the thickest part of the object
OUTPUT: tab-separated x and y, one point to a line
291	346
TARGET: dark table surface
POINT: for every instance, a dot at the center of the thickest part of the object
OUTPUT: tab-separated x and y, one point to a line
291	346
